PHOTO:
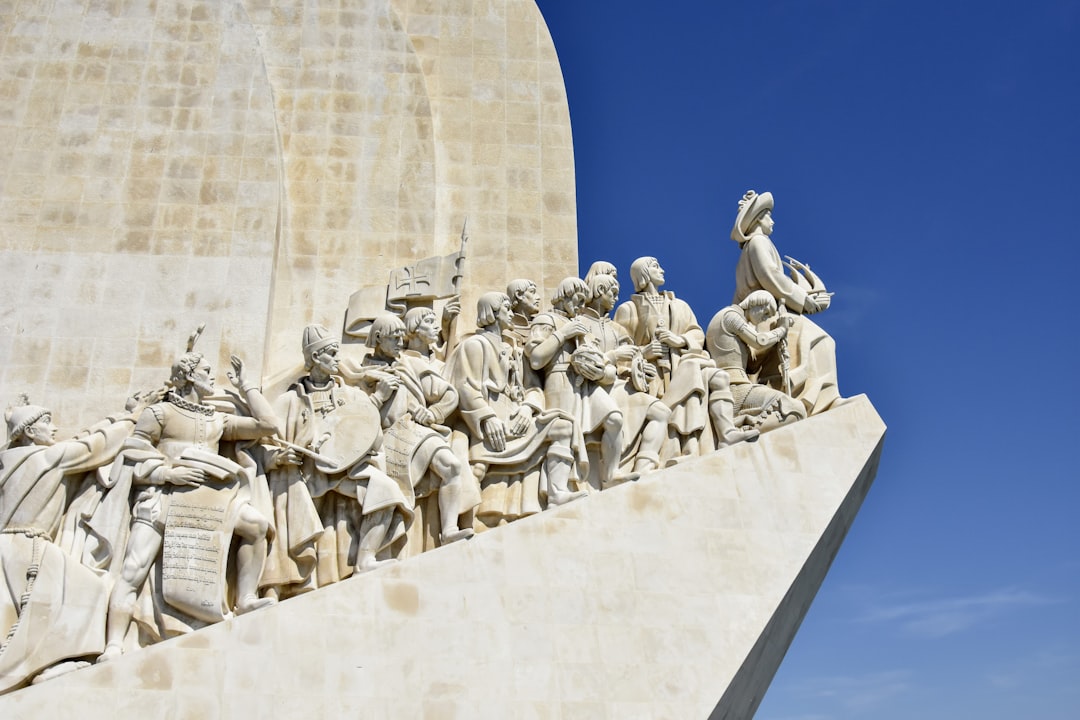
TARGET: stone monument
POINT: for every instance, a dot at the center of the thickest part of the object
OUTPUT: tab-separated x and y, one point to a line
424	497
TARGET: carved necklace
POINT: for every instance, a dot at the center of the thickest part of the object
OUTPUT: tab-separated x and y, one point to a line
322	398
183	404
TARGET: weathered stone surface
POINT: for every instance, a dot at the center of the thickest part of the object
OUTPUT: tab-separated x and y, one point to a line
250	164
655	599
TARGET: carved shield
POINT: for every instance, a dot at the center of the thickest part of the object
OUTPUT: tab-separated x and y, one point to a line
353	430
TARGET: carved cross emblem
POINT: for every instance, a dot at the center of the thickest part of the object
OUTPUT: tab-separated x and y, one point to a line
409	278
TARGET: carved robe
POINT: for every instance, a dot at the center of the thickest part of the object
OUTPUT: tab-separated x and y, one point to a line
609	335
487	373
318	516
813	351
66	602
685	371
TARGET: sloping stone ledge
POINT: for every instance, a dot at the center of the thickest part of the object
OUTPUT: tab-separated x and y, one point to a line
673	597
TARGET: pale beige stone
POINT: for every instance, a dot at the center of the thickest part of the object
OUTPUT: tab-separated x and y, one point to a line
326	144
673	597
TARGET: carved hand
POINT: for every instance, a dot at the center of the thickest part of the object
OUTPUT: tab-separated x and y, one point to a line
423	416
451	310
670	339
520	421
387	386
653	350
185	476
574	329
236	375
142	400
495	434
623	353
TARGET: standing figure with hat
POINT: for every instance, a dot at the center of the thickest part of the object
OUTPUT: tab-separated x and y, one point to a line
52	608
186	488
811	377
335	508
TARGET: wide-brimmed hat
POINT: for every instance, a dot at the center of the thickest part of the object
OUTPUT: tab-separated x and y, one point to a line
751	207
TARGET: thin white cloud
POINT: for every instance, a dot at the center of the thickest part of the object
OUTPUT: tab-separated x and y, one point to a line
945	616
849	695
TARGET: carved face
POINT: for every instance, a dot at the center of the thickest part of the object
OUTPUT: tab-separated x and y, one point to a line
202	380
573	304
326	359
42	431
765	222
504	316
656	273
390	344
605	297
759	314
428	329
528	301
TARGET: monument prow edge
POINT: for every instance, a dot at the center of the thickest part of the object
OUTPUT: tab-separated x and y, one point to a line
653	599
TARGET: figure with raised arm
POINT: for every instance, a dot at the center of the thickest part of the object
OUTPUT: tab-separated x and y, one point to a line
52	608
191	500
646	418
666	330
338	508
519	449
740	338
416	440
577	374
812	374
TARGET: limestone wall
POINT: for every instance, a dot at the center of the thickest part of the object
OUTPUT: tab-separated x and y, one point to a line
250	164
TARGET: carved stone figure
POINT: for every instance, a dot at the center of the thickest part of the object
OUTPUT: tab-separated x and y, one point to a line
335	508
813	353
738	343
52	608
525	304
577	374
670	337
646	418
416	440
190	503
519	449
601	267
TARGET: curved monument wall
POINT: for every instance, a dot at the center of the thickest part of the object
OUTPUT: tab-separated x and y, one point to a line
250	165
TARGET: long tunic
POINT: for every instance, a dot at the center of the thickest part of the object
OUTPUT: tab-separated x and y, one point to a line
813	351
64	616
318	515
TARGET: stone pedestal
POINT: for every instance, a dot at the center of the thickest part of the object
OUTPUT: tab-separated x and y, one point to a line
673	597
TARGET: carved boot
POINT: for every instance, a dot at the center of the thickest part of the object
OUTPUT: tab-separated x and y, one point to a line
721	411
557	467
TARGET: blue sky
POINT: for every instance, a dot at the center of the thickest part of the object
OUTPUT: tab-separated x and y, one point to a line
925	159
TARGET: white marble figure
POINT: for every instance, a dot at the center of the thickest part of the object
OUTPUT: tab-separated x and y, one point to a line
646	418
416	441
669	335
812	376
577	375
335	507
519	449
52	607
740	338
174	449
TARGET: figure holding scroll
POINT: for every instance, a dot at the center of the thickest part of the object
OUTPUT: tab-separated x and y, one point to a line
190	503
